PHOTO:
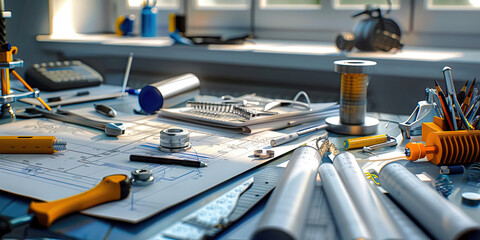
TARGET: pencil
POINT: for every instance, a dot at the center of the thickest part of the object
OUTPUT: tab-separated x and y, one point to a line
167	160
441	97
462	94
468	97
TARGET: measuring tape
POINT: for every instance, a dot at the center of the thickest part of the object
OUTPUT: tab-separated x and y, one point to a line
218	214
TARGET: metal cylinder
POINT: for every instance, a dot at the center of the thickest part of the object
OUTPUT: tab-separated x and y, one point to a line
353	92
152	97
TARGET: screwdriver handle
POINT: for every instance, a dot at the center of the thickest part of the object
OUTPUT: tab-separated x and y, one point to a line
111	188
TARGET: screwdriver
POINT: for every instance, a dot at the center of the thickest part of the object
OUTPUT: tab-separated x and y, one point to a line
111	188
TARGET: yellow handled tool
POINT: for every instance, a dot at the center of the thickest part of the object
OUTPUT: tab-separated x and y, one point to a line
111	188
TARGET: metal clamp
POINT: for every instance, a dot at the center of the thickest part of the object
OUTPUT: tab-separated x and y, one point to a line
422	113
15	96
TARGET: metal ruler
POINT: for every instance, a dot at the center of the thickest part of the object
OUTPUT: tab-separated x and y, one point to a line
218	214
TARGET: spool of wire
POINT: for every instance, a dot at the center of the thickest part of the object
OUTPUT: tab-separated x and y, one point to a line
353	99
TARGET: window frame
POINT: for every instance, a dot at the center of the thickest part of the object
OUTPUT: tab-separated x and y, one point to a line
437	20
272	23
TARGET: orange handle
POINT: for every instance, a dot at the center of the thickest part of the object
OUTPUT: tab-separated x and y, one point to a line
111	188
415	151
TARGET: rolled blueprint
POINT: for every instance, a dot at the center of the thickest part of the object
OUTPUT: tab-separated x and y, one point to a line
153	96
373	212
438	216
286	211
406	226
344	212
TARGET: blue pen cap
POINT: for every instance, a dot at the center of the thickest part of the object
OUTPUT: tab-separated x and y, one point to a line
150	99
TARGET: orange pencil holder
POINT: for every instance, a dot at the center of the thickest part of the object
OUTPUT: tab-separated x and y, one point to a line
445	147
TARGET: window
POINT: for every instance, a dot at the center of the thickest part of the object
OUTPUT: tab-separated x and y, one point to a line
454	4
218	17
222	4
290	4
361	3
316	19
447	17
160	4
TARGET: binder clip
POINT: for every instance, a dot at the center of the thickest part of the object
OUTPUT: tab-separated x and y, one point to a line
424	112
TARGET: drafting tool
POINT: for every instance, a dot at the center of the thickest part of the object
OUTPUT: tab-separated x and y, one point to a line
293	136
127	74
110	129
438	216
468	97
462	94
366	141
167	160
105	110
449	96
352	119
31	144
443	102
344	211
424	112
286	210
374	213
390	143
61	98
7	65
447	73
111	188
219	213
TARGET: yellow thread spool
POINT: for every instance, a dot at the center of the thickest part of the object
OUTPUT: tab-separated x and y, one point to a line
353	99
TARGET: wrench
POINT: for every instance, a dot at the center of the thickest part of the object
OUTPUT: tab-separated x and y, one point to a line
111	129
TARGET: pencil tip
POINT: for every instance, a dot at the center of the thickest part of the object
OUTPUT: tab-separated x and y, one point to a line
202	164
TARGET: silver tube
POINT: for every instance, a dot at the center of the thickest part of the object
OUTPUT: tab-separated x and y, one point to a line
153	96
286	211
344	212
375	215
441	218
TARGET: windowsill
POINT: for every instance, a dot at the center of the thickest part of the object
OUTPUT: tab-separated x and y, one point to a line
418	62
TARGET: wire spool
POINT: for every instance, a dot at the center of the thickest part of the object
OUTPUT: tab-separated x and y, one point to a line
353	99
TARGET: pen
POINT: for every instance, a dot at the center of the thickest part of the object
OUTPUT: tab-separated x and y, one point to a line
31	144
366	141
293	136
60	98
167	160
105	110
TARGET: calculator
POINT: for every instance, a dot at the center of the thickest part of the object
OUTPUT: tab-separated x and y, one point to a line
54	76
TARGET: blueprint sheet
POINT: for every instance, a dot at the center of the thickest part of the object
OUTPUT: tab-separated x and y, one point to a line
91	155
